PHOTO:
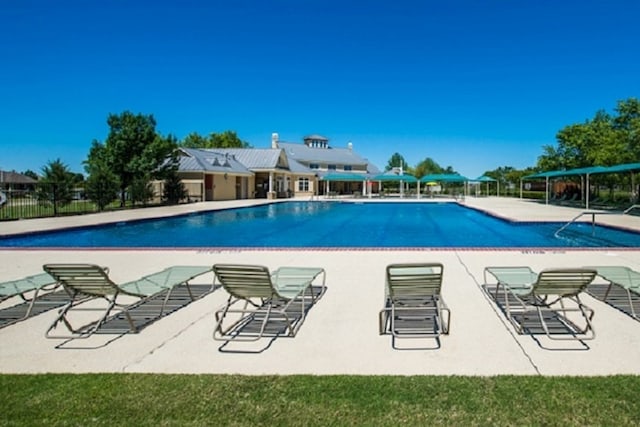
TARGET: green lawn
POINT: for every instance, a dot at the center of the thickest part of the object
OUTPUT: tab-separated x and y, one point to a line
147	399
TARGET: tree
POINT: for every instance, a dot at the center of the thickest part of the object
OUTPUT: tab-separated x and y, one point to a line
102	185
226	139
141	190
31	174
396	161
174	190
56	185
627	123
427	166
133	150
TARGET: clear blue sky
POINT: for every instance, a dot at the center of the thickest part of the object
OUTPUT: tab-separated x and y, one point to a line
472	84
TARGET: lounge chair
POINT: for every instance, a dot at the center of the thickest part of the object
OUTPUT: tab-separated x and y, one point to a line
29	290
525	291
414	307
624	278
85	282
257	295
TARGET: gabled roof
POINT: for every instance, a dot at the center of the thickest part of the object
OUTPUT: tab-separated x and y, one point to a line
15	178
255	158
297	167
302	153
200	160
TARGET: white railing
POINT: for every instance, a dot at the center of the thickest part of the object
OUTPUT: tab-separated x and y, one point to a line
630	208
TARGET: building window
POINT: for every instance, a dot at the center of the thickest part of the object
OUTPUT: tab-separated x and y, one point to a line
314	166
331	167
348	167
303	184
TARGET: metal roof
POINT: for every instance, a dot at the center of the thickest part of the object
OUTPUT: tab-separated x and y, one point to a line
200	160
315	136
297	167
302	153
255	158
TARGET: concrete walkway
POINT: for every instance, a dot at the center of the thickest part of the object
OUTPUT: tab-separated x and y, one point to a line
340	333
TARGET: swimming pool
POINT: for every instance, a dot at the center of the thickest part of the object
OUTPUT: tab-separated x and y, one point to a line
331	224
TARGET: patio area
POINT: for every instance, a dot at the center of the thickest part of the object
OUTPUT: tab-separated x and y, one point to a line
340	333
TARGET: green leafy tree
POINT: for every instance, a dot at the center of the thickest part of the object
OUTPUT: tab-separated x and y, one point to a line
226	139
396	161
133	150
31	174
194	140
56	185
141	190
427	166
627	123
174	190
102	186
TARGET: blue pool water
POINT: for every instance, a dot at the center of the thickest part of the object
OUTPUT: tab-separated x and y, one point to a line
332	224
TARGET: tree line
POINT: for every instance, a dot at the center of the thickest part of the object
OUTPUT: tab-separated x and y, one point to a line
123	166
134	154
604	140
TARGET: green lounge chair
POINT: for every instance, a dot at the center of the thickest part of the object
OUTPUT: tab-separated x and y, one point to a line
87	282
28	290
414	307
623	277
525	291
257	295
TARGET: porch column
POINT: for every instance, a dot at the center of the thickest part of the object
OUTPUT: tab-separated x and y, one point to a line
270	182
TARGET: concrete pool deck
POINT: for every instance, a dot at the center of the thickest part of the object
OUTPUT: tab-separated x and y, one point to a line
339	335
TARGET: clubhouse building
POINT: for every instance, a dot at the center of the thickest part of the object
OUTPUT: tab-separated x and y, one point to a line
282	171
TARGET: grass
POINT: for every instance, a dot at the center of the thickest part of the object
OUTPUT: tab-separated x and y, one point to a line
149	399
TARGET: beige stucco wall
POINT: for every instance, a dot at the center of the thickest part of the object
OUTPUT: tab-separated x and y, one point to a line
224	189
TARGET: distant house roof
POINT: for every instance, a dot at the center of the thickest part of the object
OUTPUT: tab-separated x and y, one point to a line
197	160
7	177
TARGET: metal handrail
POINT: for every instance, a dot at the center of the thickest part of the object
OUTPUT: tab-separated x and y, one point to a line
593	220
630	208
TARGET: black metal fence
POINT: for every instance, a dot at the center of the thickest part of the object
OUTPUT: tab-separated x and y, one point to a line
40	201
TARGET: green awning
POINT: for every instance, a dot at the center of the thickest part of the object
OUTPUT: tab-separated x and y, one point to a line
394	177
344	177
444	177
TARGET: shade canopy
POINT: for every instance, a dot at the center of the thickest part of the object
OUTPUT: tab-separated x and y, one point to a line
395	177
484	178
590	170
344	177
444	177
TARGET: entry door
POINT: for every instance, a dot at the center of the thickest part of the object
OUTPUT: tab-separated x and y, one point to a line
208	187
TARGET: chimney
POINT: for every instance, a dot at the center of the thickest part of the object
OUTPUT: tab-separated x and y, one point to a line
274	140
350	145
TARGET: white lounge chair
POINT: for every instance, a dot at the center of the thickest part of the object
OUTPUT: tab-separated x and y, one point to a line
526	292
257	295
86	282
414	307
31	291
623	278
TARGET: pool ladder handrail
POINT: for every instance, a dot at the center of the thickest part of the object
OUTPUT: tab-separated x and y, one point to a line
630	208
593	220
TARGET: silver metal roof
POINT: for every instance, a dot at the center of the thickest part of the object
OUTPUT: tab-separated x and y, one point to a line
305	154
196	160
